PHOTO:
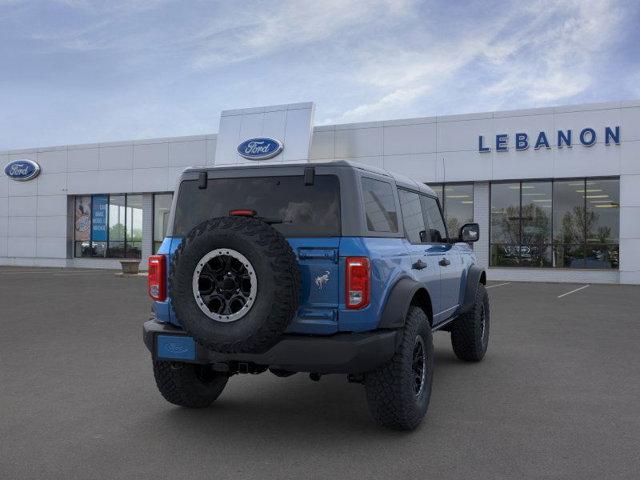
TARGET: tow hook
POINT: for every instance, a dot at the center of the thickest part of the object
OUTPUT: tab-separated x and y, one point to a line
221	367
315	376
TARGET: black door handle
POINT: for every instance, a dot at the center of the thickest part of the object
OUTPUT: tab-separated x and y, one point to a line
444	262
419	265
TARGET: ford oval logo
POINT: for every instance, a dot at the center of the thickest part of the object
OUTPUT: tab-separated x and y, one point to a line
177	348
22	170
260	148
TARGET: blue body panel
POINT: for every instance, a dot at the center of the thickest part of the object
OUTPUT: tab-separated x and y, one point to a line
163	311
175	347
389	262
319	263
322	308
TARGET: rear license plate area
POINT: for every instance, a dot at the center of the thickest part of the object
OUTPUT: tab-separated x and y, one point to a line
175	347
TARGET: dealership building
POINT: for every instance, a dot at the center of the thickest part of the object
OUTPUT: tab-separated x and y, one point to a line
556	190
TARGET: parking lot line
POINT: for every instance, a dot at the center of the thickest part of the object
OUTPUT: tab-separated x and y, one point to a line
573	291
498	285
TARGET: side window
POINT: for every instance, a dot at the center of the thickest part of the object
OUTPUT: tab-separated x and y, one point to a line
436	232
414	222
379	206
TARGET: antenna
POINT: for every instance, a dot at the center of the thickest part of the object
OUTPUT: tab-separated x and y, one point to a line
444	171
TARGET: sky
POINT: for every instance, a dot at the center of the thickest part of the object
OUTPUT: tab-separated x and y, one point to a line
80	71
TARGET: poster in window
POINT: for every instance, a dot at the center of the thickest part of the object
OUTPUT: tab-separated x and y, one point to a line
83	219
99	214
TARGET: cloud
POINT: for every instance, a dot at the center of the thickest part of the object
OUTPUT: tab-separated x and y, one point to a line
119	6
287	25
93	70
209	35
541	53
555	63
397	98
406	76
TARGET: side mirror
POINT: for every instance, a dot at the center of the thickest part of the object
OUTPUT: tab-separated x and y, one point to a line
470	232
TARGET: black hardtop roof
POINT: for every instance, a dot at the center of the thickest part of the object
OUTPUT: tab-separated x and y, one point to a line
400	180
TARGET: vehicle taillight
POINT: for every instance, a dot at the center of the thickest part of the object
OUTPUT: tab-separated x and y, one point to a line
156	282
358	282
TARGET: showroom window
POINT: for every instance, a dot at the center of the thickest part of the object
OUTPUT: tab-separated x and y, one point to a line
108	226
562	224
586	223
133	229
161	210
457	202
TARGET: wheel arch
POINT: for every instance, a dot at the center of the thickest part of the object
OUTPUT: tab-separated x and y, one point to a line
475	276
422	299
405	293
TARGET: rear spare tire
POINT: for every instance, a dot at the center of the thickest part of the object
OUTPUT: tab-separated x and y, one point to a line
234	284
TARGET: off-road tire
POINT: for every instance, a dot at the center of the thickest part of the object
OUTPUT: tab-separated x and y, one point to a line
468	337
278	283
391	397
188	385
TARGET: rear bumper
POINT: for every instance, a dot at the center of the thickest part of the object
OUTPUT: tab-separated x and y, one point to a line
339	353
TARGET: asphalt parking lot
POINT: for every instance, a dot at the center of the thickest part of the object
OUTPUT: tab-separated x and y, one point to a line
558	395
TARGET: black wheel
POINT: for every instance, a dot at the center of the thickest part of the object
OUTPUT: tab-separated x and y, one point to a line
188	385
234	284
398	392
470	332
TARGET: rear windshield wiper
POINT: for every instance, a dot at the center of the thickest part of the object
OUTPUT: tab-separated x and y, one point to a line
270	221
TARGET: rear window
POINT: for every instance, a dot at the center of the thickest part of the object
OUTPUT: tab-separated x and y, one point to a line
304	210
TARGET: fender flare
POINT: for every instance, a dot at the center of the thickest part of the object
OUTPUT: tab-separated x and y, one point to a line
475	276
398	302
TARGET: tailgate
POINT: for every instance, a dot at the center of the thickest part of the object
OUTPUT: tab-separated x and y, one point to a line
320	285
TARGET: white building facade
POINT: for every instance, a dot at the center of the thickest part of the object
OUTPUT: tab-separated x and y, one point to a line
556	191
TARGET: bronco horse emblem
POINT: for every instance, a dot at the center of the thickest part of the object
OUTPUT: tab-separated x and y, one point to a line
321	280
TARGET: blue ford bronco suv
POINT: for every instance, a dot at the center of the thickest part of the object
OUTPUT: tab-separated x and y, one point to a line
318	268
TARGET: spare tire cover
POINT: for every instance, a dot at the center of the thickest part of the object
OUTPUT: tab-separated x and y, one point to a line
234	284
